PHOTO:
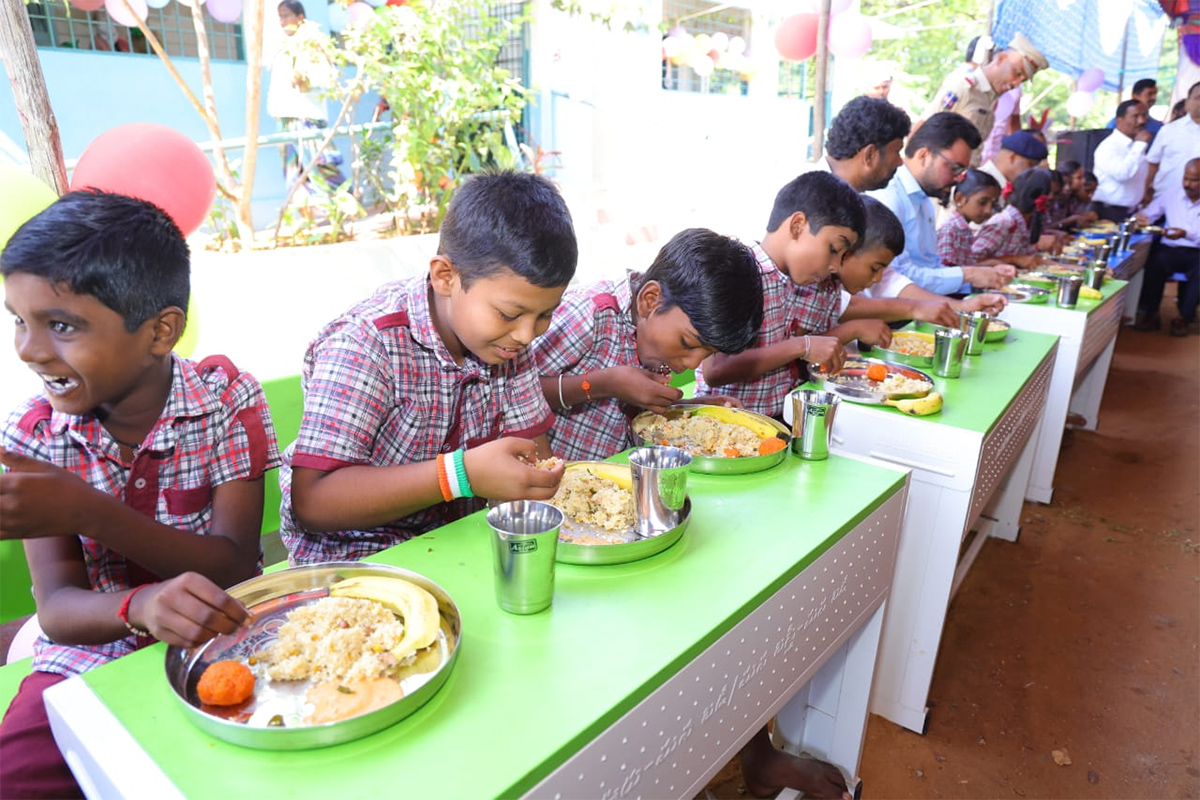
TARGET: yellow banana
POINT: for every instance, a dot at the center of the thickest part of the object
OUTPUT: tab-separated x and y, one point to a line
416	606
919	406
1089	293
617	473
733	416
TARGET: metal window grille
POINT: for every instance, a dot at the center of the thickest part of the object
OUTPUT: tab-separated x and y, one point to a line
797	80
699	16
58	24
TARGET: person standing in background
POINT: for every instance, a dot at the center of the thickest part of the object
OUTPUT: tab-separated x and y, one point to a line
1177	143
1145	92
1120	163
301	75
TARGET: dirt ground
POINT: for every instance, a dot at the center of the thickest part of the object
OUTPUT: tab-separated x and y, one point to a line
1070	662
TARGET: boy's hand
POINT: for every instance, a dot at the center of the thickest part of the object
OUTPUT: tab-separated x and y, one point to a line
989	277
504	470
874	332
939	312
826	351
39	499
187	610
637	387
991	302
716	400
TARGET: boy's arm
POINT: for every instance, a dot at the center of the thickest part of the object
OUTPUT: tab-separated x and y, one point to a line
874	332
721	369
629	384
913	303
39	499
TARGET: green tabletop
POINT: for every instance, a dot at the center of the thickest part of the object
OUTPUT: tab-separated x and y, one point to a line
978	398
527	692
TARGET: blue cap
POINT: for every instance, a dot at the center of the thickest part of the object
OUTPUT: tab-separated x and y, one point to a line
1024	143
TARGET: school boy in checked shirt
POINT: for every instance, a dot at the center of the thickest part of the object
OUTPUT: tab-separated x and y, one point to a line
421	400
136	480
816	219
611	346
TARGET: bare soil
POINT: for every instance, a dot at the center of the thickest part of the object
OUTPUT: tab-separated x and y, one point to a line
1070	662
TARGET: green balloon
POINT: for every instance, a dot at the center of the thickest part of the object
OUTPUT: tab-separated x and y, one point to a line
22	198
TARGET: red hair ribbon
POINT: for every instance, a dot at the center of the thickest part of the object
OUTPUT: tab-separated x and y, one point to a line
1007	190
1042	203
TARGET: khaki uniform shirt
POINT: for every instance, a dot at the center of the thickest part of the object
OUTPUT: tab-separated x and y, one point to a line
969	94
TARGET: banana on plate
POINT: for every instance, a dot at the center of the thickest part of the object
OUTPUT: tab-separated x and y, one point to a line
919	406
413	604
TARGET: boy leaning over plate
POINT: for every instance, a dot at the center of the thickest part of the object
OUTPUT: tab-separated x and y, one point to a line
612	346
421	399
136	481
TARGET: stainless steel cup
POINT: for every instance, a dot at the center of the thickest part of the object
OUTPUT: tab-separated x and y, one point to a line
949	346
524	543
659	487
1094	274
1068	291
813	411
974	324
1102	254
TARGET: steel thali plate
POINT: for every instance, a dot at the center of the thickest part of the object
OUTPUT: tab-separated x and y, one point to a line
719	465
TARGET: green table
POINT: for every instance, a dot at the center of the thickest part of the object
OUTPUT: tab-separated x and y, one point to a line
646	676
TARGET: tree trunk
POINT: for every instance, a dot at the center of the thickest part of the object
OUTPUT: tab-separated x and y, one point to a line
818	142
18	53
252	40
204	56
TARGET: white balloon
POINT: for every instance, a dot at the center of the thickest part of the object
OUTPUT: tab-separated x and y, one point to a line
737	45
189	3
671	46
720	41
339	18
703	66
157	3
1079	103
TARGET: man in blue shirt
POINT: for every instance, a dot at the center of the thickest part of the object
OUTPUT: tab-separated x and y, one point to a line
1145	92
935	160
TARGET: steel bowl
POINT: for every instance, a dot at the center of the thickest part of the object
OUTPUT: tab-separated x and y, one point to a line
269	598
905	358
718	465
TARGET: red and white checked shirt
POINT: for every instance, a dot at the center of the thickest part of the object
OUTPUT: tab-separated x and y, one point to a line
789	310
954	240
380	388
1005	234
215	428
592	329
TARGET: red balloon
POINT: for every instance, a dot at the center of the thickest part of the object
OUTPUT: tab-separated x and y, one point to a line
796	37
154	163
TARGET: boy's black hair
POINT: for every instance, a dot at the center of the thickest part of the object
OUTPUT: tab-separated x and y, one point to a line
125	252
1027	188
1090	177
716	281
294	6
1069	166
505	220
1124	107
976	180
863	121
1143	84
823	198
883	228
941	131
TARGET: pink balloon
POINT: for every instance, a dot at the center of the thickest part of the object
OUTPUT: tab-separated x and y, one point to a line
88	5
224	10
154	163
359	14
849	35
796	37
1090	80
116	9
838	6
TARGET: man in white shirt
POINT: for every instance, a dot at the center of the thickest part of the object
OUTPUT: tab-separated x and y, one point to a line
1177	251
1120	163
1177	143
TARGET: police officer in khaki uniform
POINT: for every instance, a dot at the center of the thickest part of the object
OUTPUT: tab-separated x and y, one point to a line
973	93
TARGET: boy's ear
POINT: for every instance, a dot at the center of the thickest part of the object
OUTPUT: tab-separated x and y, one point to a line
649	299
167	329
442	275
797	225
870	155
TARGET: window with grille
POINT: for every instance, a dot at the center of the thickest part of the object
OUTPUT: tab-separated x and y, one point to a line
57	24
697	17
797	80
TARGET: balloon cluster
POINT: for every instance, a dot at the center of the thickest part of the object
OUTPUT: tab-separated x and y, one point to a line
227	11
1081	100
705	52
849	33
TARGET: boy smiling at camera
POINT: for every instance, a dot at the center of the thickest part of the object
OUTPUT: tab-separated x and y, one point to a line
612	346
421	400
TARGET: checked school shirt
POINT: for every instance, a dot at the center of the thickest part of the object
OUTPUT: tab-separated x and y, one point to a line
592	329
789	310
380	388
1005	234
215	428
954	240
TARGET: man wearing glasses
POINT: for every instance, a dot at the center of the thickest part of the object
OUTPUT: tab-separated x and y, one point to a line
974	93
935	160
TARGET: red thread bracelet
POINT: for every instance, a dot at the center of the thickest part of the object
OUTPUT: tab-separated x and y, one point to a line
123	614
587	389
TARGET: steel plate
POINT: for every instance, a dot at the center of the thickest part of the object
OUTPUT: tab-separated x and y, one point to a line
631	546
718	465
994	333
853	384
904	358
270	597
